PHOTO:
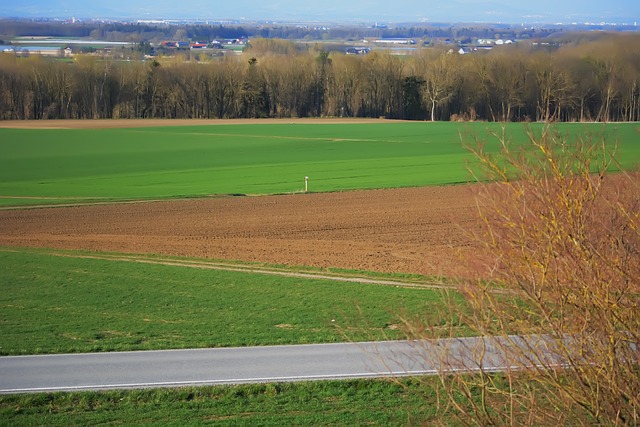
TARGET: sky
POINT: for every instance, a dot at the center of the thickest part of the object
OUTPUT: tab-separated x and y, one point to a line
383	11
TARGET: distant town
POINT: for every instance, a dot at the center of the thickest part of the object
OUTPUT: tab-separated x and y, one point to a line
140	39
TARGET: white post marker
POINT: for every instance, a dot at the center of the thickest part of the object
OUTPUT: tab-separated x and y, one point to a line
306	184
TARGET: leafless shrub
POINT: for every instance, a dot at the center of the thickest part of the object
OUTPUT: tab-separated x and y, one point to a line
564	239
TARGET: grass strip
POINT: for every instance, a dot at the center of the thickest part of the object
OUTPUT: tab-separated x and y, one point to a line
55	304
353	402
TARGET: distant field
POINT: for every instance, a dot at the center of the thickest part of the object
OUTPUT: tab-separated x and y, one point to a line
60	304
46	166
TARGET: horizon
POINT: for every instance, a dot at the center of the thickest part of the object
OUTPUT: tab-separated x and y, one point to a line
334	11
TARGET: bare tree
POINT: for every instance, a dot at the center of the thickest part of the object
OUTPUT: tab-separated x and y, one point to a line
507	77
343	94
439	80
605	75
381	85
553	88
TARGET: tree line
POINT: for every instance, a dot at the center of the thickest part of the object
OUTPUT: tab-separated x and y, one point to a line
596	80
156	32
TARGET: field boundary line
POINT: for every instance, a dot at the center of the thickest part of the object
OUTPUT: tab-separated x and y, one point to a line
94	201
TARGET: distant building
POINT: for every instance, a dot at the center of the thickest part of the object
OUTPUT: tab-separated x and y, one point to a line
395	41
175	45
357	50
491	42
38	50
239	41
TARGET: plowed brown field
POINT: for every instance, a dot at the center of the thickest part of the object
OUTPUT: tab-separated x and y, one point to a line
414	230
418	230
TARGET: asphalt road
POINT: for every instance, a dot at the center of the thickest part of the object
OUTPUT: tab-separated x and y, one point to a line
174	368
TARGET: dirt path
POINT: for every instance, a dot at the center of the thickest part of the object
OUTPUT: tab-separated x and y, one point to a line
415	230
254	269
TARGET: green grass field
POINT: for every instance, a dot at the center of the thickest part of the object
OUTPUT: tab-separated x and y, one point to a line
59	166
353	402
60	304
